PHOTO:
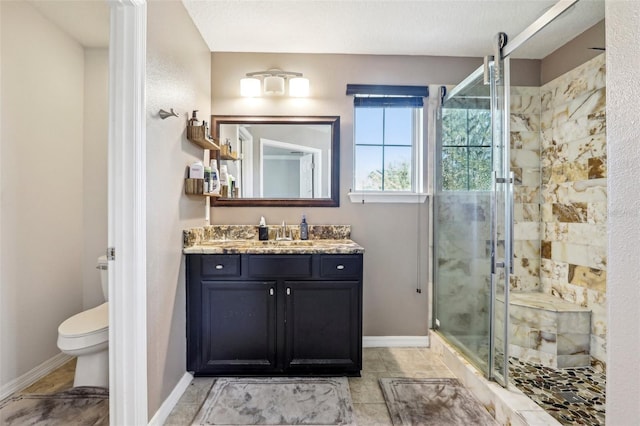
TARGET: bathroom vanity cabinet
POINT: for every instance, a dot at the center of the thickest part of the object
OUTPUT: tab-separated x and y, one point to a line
274	314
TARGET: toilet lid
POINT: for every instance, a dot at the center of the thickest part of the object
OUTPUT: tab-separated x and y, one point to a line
86	322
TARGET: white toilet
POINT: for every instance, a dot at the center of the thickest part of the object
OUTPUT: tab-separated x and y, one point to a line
86	336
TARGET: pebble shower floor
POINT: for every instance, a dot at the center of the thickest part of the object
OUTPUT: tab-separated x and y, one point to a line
573	396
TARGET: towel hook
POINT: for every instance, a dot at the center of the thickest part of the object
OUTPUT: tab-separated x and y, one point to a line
164	114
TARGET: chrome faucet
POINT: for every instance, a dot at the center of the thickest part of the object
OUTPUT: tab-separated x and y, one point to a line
283	234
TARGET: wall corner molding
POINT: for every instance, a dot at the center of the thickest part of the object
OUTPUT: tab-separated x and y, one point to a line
34	375
160	417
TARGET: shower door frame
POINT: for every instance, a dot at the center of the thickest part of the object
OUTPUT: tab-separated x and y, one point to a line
502	192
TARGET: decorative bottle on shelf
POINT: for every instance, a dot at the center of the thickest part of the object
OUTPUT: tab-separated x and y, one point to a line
207	179
224	181
304	228
194	119
214	183
232	186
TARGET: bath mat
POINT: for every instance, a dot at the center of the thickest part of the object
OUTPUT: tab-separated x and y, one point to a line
434	402
77	406
278	401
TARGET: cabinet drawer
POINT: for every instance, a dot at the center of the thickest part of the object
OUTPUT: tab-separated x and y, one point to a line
279	265
221	265
335	266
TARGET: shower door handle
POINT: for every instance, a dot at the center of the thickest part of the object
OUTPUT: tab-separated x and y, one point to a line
510	197
494	221
508	251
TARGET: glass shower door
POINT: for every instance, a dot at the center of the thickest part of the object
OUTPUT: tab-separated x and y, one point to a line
469	216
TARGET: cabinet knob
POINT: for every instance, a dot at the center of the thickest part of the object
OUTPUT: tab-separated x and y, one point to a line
288	291
340	267
219	266
270	292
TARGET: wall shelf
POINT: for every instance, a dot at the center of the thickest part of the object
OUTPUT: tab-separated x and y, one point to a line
227	154
228	157
196	134
196	187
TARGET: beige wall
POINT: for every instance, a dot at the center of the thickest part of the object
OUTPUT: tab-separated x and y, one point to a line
41	244
94	171
573	53
178	76
623	136
391	234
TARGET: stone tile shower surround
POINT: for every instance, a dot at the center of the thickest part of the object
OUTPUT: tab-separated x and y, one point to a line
574	194
525	164
558	156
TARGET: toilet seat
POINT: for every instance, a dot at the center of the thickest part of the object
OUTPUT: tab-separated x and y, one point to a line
85	330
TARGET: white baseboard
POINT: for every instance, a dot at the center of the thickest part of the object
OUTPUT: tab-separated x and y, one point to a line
169	404
33	375
395	341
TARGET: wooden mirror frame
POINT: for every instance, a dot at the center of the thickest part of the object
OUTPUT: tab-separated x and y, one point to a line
333	201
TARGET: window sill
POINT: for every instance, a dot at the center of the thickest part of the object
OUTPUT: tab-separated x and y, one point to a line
387	197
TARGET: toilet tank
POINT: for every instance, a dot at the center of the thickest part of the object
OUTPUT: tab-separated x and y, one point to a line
104	277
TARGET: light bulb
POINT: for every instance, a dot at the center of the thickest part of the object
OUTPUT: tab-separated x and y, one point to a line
249	87
299	87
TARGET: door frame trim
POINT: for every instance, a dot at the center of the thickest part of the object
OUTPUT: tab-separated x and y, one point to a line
127	213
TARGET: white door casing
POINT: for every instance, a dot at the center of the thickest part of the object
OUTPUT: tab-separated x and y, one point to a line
127	214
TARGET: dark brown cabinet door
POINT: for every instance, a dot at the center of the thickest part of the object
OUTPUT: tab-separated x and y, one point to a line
323	327
238	326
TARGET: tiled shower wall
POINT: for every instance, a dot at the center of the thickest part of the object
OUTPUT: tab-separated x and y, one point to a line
525	165
558	155
574	194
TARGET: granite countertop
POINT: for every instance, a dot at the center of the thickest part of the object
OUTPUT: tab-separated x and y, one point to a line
243	239
275	247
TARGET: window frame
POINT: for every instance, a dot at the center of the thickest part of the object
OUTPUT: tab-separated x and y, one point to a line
416	125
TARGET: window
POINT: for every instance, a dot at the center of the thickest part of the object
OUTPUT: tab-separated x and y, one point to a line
387	142
385	146
466	149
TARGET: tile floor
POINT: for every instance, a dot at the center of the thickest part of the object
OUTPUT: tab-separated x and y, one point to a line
366	394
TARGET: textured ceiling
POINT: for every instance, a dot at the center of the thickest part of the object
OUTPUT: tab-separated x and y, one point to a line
387	27
399	27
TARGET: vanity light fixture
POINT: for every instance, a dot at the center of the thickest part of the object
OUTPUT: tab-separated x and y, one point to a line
274	83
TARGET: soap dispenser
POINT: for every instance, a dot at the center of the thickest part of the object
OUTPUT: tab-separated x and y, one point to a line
304	228
194	119
263	231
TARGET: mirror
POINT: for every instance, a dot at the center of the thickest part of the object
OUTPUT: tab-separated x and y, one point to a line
278	161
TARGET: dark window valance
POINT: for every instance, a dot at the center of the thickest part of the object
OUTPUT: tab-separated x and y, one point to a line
388	102
383	96
386	90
